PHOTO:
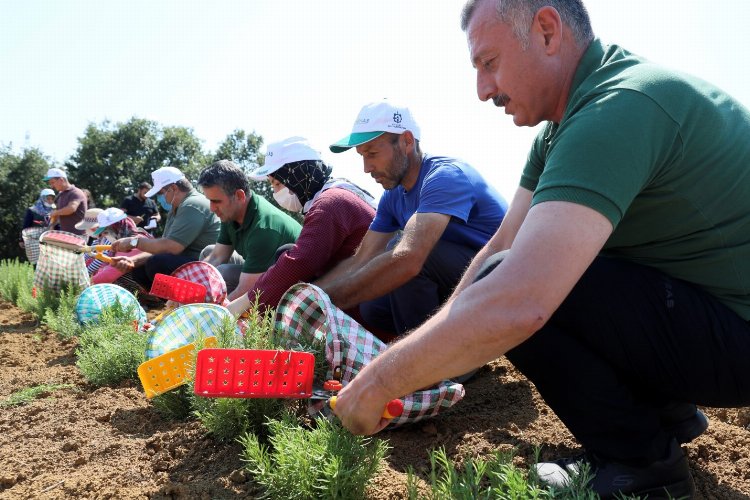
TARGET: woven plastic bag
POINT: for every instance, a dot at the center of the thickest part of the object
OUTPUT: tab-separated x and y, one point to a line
96	298
305	315
30	237
184	325
57	266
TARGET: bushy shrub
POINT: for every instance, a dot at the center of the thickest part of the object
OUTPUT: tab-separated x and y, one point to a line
325	462
111	350
228	418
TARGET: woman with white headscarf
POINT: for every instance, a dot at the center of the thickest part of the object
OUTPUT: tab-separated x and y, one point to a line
37	215
337	214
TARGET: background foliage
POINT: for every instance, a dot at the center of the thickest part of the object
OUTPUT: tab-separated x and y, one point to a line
110	161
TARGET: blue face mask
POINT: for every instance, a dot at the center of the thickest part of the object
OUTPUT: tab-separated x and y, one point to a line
163	202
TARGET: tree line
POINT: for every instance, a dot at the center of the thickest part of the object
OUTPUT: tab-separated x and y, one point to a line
110	161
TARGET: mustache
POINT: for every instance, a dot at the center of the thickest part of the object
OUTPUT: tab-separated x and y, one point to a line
501	100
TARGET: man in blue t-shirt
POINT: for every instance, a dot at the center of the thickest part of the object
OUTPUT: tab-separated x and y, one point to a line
436	214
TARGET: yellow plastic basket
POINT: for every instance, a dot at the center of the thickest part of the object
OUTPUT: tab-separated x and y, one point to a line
170	370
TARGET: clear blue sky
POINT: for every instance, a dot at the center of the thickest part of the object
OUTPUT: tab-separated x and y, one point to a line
305	67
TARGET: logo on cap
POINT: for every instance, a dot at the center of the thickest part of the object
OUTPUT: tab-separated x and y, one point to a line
397	117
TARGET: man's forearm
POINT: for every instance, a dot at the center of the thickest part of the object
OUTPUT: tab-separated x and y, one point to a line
385	273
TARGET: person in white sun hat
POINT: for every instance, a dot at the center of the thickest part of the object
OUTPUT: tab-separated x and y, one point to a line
337	216
111	225
190	227
252	229
71	201
435	215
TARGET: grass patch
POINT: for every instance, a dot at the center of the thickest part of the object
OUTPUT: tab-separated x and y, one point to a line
325	462
15	276
28	394
493	478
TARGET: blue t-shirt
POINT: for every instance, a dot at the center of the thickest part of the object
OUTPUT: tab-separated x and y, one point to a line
445	186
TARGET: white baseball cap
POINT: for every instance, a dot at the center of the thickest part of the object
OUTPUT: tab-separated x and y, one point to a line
55	172
162	177
280	153
374	120
46	192
107	218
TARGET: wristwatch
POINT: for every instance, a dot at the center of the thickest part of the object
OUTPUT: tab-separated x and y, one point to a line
134	242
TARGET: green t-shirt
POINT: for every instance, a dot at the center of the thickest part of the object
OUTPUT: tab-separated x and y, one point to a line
192	224
264	229
666	158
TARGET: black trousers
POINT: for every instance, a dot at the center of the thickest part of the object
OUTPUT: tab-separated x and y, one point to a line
409	305
627	342
164	263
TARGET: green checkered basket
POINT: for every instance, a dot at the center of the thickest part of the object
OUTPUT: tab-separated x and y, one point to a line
59	266
305	316
184	325
96	298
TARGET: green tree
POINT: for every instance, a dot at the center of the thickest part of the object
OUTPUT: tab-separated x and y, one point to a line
20	182
112	159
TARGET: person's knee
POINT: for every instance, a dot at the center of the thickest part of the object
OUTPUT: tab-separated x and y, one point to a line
490	264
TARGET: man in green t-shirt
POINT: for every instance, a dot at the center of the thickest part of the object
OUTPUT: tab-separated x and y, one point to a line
252	229
619	281
190	227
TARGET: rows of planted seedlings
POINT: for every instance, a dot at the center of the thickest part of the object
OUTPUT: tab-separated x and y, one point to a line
287	453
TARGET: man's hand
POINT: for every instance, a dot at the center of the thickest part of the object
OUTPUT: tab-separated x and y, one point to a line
137	219
124	264
122	245
360	405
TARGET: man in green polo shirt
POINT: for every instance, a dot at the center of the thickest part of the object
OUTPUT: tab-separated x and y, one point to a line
619	281
252	229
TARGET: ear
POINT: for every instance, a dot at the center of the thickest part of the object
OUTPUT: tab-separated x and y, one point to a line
548	24
408	142
241	195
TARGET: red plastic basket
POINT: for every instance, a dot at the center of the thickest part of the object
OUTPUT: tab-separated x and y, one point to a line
178	290
254	373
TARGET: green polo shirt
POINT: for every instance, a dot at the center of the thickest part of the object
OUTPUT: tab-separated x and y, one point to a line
666	158
192	224
264	229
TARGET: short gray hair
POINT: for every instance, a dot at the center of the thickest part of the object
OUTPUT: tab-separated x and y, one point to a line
519	14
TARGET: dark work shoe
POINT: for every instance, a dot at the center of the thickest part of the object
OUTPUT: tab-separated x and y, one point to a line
684	426
667	478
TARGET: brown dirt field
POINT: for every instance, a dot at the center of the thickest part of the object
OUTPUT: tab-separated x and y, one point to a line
110	443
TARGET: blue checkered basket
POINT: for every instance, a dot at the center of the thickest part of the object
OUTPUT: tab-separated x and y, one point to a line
95	298
184	325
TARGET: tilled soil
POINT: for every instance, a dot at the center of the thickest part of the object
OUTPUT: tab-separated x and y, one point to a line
87	442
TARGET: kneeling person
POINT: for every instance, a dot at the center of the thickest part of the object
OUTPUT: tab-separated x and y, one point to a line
252	229
337	215
190	227
443	208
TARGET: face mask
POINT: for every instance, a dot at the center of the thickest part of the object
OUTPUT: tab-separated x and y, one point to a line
163	202
288	200
162	199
